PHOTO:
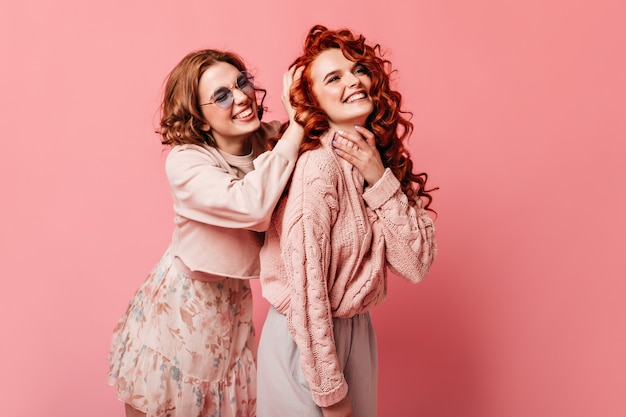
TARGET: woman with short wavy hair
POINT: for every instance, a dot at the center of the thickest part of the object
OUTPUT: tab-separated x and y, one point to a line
186	345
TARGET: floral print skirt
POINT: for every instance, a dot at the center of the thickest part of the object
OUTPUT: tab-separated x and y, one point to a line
186	348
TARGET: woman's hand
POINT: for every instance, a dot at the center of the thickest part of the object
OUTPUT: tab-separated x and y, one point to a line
360	150
342	409
288	78
294	132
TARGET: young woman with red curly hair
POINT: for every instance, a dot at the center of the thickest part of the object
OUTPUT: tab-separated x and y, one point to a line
342	224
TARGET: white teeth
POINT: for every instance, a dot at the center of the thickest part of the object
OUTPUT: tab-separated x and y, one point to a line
355	97
244	114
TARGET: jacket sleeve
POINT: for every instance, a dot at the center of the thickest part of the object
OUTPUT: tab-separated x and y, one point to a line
207	191
305	248
409	232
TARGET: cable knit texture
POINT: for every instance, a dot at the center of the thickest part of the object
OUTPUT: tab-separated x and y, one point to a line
326	253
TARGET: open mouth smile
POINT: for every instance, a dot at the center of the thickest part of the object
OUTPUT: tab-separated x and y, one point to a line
243	114
356	96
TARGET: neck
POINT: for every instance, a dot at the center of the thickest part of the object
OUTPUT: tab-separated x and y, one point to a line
241	146
346	126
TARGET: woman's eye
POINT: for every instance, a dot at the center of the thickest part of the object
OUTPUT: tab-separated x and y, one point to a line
360	70
333	79
220	96
243	82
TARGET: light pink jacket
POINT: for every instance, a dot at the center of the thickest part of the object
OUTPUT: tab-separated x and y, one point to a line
223	203
327	251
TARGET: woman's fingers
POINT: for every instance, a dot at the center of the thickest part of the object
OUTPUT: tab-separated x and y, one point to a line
294	73
356	144
360	150
368	135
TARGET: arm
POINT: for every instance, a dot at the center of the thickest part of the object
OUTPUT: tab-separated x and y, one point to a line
309	214
208	191
409	232
294	132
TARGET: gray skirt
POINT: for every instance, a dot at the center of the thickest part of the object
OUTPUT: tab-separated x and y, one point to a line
282	390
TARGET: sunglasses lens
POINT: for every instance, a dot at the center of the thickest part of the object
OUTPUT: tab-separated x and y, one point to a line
245	82
223	97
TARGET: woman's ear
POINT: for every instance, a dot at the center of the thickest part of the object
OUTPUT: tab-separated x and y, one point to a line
205	127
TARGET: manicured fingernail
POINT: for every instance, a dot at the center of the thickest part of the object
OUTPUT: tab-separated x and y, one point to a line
340	132
357	126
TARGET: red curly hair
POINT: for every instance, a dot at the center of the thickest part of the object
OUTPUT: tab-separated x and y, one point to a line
386	121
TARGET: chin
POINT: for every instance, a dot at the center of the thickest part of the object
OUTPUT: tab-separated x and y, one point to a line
364	110
253	126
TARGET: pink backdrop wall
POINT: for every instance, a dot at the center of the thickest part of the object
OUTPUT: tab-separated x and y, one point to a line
520	119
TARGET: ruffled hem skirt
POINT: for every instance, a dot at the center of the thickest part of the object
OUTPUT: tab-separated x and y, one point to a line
186	348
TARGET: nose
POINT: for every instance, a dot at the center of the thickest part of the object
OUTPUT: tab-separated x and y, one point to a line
239	96
353	80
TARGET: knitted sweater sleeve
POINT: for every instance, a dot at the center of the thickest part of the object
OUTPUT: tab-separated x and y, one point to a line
408	232
208	192
310	212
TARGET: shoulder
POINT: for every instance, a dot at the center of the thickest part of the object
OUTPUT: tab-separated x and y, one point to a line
182	157
323	157
320	156
269	129
318	165
189	150
265	132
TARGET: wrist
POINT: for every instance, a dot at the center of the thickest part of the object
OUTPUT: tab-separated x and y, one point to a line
294	133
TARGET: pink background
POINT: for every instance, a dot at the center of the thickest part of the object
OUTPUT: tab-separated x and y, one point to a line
519	118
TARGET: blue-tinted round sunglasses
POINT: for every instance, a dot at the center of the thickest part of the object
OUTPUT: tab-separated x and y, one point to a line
223	96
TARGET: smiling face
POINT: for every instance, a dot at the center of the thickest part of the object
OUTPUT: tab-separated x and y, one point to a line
342	89
231	127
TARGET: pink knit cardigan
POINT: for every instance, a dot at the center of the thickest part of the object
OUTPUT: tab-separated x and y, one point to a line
326	255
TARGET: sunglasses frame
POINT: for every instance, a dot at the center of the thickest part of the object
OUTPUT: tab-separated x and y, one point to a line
230	96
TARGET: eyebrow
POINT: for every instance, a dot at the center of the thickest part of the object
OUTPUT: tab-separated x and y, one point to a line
330	74
231	85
